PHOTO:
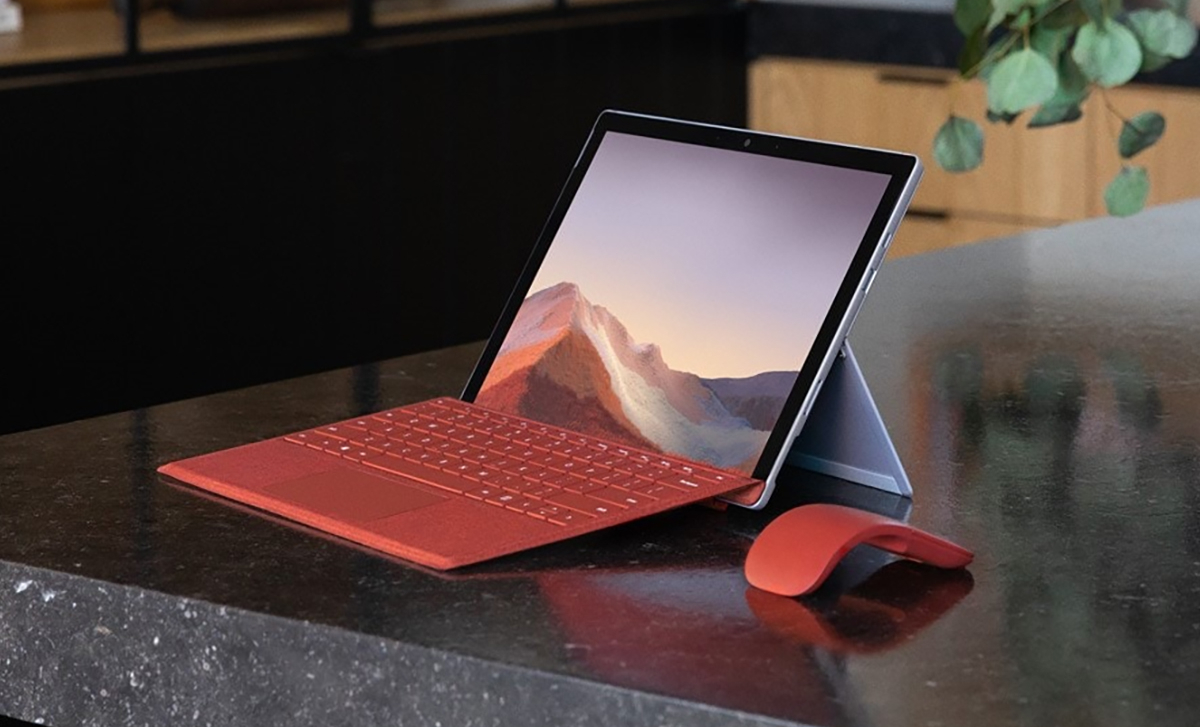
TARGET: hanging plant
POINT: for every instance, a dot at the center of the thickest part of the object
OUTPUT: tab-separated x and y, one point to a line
1044	58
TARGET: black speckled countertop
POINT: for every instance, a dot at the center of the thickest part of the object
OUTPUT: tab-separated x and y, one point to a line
880	34
1043	391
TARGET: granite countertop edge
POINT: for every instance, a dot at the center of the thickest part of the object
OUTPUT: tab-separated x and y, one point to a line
86	652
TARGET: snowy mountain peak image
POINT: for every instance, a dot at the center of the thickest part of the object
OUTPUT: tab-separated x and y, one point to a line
569	362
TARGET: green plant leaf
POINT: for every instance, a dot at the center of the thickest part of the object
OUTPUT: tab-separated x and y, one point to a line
1108	55
1069	17
1048	41
1153	62
971	55
1024	78
1009	7
996	53
971	15
1140	133
1051	114
1094	10
997	118
988	64
994	21
1126	194
1163	33
958	146
1065	106
1072	84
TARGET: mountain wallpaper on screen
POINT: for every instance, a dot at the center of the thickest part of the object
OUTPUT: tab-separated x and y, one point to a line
568	362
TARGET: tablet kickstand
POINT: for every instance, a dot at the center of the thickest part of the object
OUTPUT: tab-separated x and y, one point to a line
845	436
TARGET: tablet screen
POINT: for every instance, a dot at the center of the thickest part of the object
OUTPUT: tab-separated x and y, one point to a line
680	295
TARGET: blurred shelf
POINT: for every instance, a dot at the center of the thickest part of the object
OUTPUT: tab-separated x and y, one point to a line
404	12
59	35
64	36
162	30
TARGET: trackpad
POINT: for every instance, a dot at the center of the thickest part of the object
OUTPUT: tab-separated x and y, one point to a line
351	496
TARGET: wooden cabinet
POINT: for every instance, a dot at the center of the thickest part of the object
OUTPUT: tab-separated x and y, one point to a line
1029	177
923	231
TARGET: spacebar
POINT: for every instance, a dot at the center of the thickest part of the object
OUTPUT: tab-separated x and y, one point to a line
421	473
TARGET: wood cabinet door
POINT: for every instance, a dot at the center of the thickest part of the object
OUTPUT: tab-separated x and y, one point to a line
923	233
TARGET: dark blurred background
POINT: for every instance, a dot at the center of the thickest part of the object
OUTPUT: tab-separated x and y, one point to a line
192	223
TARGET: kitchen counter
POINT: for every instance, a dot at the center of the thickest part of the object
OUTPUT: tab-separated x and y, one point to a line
1042	391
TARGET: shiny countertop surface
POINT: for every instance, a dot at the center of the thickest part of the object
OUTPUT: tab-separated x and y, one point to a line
1043	391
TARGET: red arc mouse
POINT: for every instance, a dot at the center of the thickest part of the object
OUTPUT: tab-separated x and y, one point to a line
797	550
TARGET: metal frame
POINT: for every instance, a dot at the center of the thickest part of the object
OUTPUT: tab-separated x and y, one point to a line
844	435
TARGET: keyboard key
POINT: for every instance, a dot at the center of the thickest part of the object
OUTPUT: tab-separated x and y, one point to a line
608	459
563	480
558	445
682	481
425	457
507	481
401	417
526	438
623	498
501	463
461	468
582	503
485	475
573	466
522	469
446	462
548	460
333	430
655	490
452	431
364	438
617	477
559	515
566	517
527	506
483	493
407	451
589	455
537	474
358	454
427	440
503	498
639	469
472	437
505	448
540	491
719	478
582	486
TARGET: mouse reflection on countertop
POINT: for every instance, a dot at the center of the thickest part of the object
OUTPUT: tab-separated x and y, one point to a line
797	550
